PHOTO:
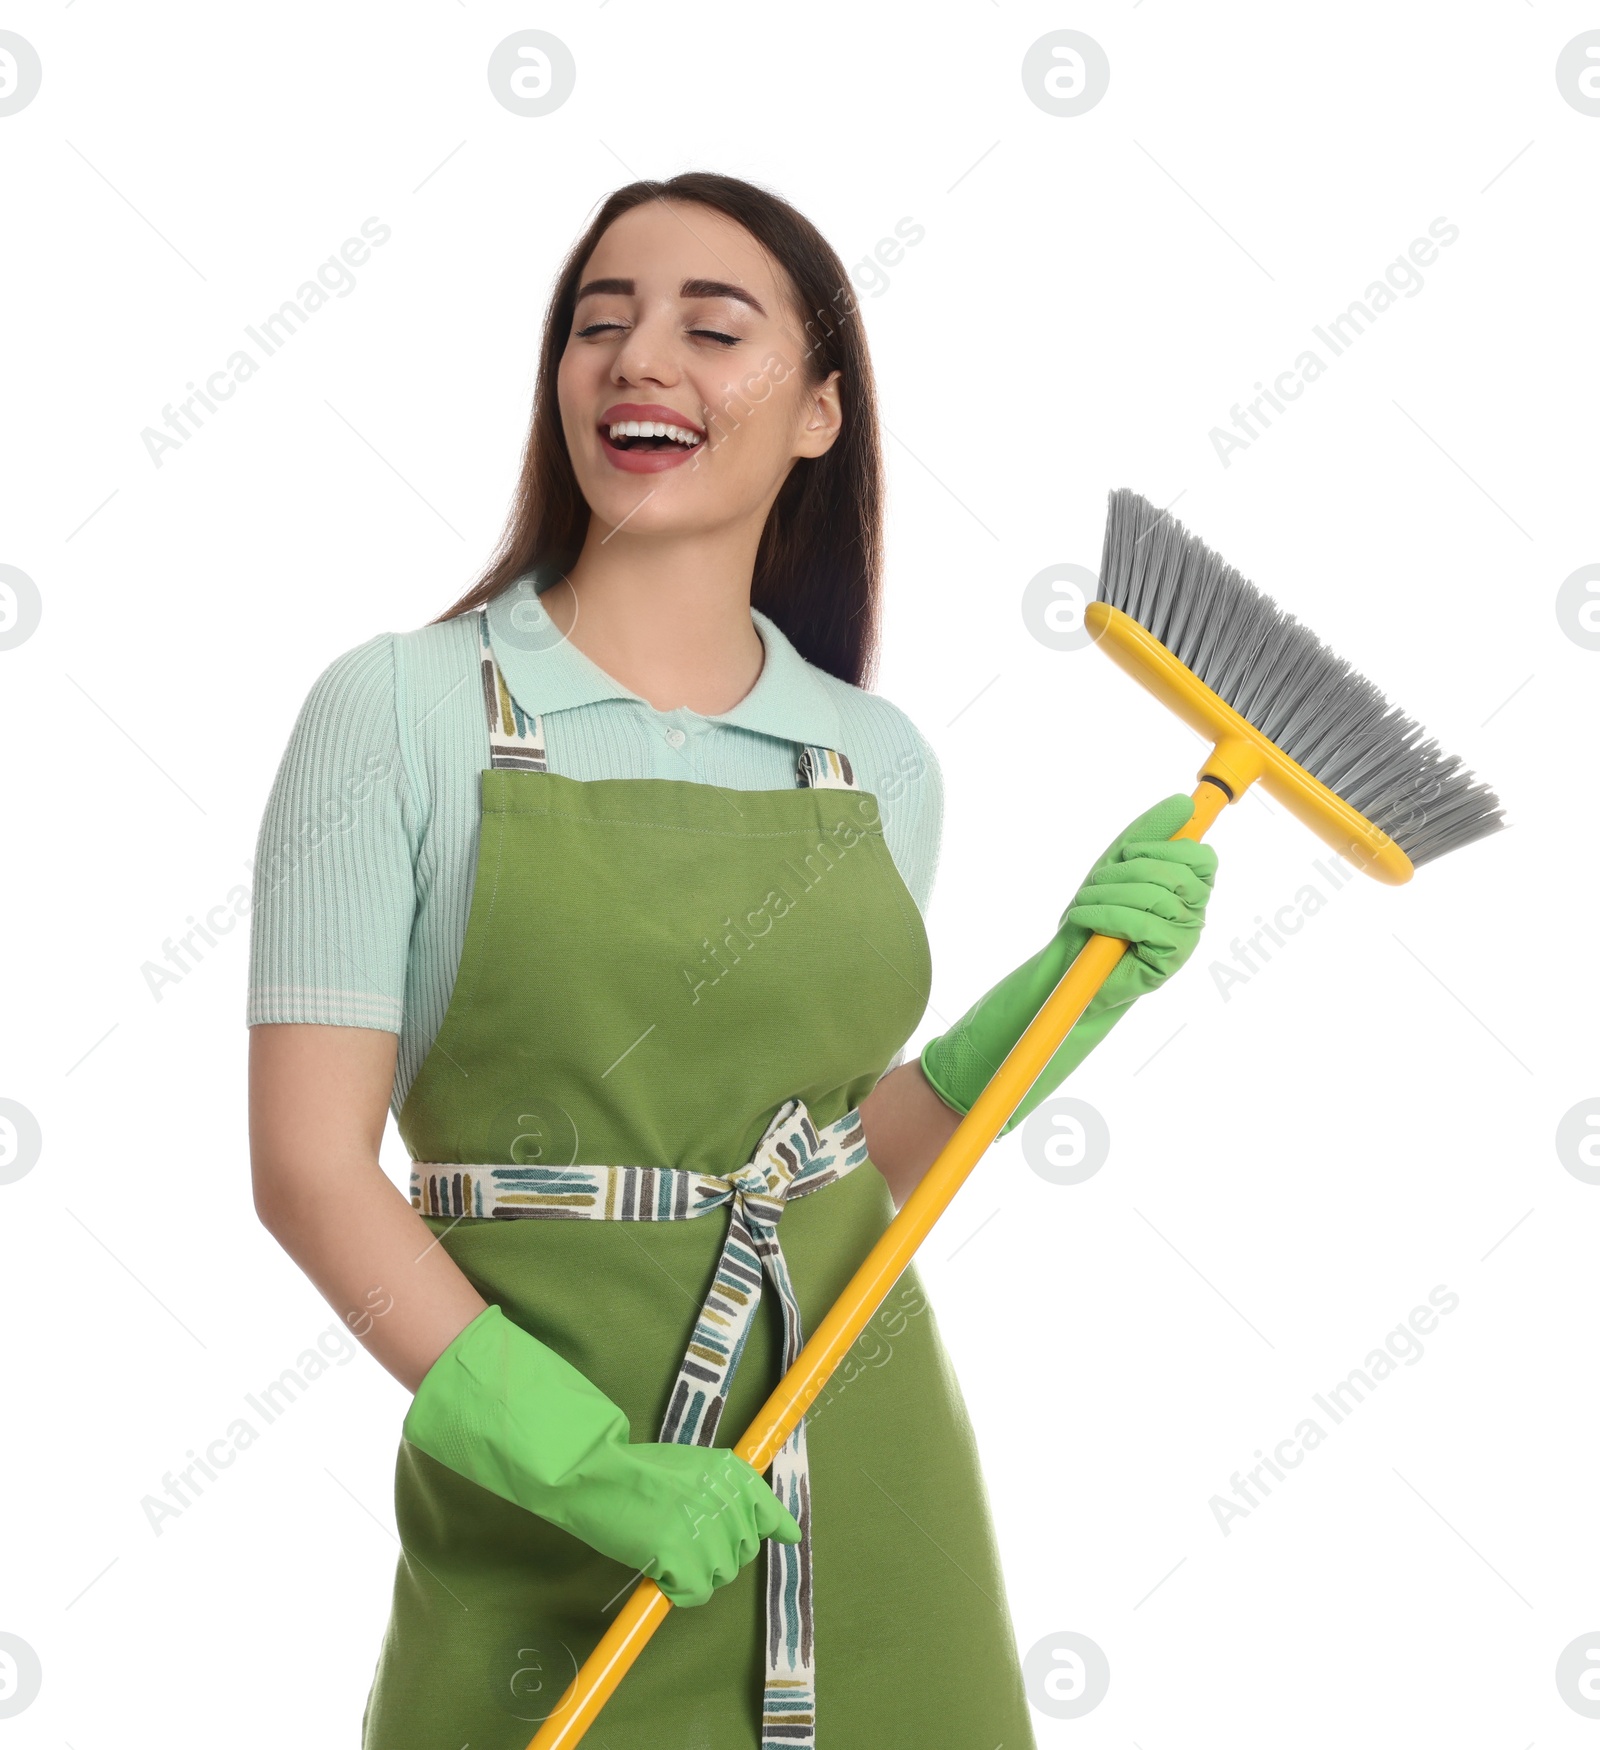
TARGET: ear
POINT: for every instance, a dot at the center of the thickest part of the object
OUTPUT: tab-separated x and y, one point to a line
822	418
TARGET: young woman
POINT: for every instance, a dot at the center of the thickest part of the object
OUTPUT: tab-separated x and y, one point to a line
610	883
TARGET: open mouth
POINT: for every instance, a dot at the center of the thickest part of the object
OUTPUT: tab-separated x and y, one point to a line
651	435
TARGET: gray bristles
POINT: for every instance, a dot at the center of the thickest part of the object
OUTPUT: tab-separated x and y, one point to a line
1280	677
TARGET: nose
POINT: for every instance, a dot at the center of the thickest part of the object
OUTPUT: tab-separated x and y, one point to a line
646	356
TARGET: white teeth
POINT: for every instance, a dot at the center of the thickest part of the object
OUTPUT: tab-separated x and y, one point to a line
654	428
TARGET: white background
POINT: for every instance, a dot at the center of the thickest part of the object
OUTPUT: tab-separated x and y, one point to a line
1371	1114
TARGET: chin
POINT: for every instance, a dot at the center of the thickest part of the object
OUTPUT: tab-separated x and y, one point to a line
625	513
675	501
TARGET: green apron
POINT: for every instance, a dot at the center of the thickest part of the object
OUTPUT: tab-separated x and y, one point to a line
699	986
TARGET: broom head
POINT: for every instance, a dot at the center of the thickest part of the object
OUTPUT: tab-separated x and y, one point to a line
1279	706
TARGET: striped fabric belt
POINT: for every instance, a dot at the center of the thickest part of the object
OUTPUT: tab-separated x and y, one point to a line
792	1159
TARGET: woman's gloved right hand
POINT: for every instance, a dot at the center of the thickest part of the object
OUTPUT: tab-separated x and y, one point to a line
504	1410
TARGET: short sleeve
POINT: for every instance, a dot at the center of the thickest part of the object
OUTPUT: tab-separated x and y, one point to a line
903	771
335	888
913	808
898	766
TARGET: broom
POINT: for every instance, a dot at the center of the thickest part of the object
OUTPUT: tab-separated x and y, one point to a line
1281	710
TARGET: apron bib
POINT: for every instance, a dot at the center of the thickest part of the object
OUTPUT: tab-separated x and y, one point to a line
641	1106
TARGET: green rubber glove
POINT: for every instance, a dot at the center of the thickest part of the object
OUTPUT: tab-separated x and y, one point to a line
507	1412
1141	889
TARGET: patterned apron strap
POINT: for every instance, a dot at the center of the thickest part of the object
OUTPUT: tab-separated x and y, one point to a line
824	768
516	740
498	1191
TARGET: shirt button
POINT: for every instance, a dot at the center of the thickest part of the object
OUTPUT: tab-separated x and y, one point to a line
675	738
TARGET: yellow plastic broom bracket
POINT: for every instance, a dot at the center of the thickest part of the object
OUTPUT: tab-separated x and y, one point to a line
1241	755
1236	762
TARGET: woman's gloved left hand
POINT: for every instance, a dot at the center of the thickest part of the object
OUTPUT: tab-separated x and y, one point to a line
1146	888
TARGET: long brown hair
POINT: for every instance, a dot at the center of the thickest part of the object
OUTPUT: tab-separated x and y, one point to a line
818	565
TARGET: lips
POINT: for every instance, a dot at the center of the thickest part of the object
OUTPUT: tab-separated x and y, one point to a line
648	451
652	411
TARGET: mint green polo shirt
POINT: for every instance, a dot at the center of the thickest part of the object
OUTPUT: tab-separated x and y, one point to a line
368	844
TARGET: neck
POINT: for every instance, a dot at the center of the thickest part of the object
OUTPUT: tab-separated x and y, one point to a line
668	617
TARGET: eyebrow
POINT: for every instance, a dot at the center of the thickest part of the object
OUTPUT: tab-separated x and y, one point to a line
689	289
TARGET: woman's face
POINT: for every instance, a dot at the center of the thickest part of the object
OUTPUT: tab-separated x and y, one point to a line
683	319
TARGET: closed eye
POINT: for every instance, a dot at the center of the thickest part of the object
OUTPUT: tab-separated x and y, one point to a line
709	333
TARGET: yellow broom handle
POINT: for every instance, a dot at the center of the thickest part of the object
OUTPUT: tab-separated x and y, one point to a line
647	1605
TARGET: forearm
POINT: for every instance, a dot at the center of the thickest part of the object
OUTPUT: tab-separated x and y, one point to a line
372	1258
906	1124
318	1100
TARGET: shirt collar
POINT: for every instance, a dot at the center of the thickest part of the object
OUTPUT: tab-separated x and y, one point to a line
544	672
